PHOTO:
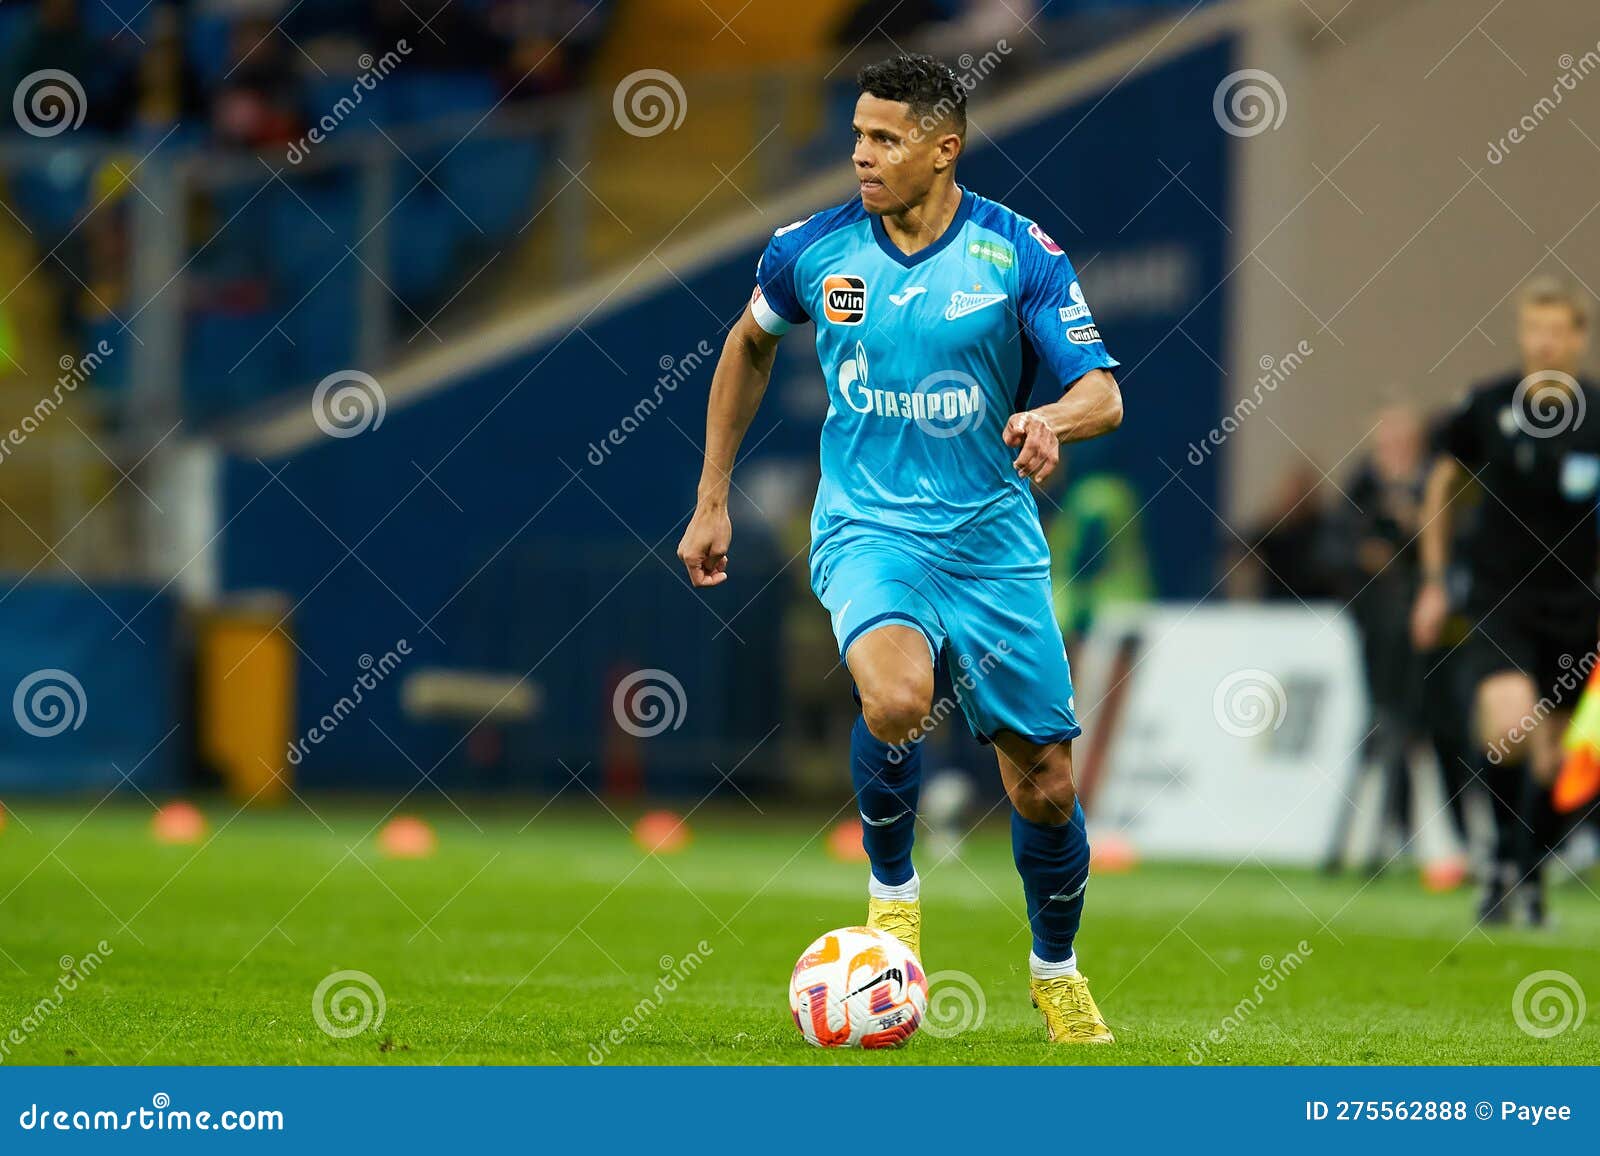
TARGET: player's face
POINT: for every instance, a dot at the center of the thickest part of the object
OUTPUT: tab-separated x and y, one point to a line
895	162
1550	338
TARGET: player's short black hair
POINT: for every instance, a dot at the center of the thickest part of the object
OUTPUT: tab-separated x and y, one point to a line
926	83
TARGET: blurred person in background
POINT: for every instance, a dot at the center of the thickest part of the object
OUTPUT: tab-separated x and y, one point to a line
1380	526
57	41
874	25
1532	561
167	90
1098	555
1294	548
258	101
456	40
549	44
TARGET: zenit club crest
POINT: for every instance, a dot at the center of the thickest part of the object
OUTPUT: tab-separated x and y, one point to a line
844	299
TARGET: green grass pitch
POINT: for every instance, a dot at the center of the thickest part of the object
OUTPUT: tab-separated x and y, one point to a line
533	943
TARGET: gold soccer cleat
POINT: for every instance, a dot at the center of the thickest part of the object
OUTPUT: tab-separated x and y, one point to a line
1070	1014
899	918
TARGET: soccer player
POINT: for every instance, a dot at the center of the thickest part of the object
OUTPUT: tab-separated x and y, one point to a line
934	309
1533	444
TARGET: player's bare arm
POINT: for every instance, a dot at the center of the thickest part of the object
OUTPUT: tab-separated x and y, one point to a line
1445	482
1091	407
737	386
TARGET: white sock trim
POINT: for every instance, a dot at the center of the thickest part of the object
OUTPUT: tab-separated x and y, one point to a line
908	892
1044	969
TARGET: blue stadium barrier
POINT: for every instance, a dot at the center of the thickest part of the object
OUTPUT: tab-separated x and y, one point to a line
50	197
420	97
89	702
423	234
492	180
217	378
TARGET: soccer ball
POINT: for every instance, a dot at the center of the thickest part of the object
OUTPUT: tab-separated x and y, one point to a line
858	987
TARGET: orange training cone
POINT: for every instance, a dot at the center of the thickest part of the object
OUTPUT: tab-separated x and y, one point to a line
844	842
178	823
661	832
407	837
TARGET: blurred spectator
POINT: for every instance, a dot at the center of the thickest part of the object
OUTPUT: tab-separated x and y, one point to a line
456	39
167	88
1385	502
258	100
878	24
1380	525
550	45
1098	555
1295	548
56	41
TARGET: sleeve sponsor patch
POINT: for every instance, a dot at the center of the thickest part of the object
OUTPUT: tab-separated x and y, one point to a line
1044	240
1078	310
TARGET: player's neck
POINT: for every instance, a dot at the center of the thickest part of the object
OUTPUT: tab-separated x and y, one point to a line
1545	372
917	226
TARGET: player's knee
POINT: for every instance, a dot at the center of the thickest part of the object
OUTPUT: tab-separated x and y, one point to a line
1506	716
897	712
1045	794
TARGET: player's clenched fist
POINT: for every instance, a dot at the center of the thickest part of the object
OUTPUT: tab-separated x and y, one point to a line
704	549
1039	450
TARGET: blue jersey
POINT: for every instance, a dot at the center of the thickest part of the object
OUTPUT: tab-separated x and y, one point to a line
926	357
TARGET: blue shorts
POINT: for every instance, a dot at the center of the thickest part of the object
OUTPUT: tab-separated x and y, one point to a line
997	636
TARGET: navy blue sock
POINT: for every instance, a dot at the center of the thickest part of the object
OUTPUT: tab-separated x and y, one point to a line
888	780
1054	865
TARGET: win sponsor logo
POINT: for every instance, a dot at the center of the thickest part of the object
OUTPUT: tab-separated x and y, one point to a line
844	299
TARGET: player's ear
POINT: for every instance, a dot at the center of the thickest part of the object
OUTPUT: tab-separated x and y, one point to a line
949	148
